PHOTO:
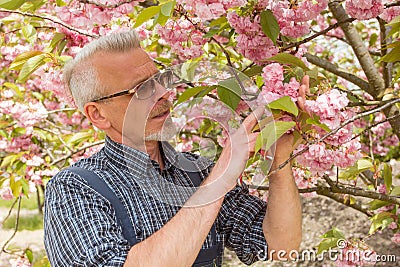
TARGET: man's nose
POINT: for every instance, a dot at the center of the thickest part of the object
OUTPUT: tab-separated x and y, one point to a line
162	92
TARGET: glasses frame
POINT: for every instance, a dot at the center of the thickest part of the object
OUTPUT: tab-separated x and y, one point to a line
134	90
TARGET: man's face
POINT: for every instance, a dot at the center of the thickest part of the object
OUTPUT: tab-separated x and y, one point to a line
134	119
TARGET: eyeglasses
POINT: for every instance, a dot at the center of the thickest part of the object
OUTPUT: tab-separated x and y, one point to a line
146	89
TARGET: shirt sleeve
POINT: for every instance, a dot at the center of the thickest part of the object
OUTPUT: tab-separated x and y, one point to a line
240	221
80	227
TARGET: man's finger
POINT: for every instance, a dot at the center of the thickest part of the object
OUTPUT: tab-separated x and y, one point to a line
253	118
303	90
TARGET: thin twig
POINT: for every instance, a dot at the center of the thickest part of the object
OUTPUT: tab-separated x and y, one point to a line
26	14
3	249
373	125
393	4
60	110
305	40
364	85
106	6
10	210
76	151
356	117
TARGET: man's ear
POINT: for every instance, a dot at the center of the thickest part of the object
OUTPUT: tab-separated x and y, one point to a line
94	113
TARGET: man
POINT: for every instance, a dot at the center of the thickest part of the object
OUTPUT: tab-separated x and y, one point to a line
81	227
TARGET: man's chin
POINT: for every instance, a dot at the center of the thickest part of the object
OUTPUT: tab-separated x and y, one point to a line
168	132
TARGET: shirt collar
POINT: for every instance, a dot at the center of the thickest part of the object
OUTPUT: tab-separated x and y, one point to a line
139	163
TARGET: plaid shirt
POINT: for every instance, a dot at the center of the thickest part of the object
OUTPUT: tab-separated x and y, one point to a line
81	228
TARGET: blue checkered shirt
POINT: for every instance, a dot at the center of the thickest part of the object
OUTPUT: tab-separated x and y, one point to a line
80	227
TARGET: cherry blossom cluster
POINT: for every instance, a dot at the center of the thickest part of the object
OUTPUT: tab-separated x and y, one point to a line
251	41
380	135
210	9
339	149
294	21
364	9
368	9
183	37
88	16
25	115
274	87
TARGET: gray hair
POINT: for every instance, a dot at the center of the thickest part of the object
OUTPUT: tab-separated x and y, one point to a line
79	75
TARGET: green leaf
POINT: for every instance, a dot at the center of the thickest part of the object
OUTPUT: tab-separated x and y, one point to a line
286	104
387	176
218	21
188	93
229	92
334	232
380	221
373	39
269	25
11	4
393	55
60	3
265	166
57	38
29	254
327	243
395	191
147	14
360	166
376	204
31	65
29	33
21	59
315	121
9	160
80	137
285	58
167	8
24	186
271	133
253	71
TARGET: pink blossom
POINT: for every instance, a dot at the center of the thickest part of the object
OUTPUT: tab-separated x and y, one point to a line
6	193
210	9
396	238
317	158
251	41
185	40
35	161
20	262
185	146
303	181
390	13
393	225
364	9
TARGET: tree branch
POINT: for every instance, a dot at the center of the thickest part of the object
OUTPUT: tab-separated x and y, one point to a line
375	124
377	84
346	122
386	67
26	14
90	2
76	151
364	85
305	40
3	249
393	4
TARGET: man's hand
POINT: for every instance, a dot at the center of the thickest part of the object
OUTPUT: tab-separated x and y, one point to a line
285	144
239	147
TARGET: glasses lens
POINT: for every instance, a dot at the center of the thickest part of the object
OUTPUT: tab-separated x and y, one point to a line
146	90
166	79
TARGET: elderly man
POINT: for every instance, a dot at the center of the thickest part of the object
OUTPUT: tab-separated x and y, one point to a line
83	227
